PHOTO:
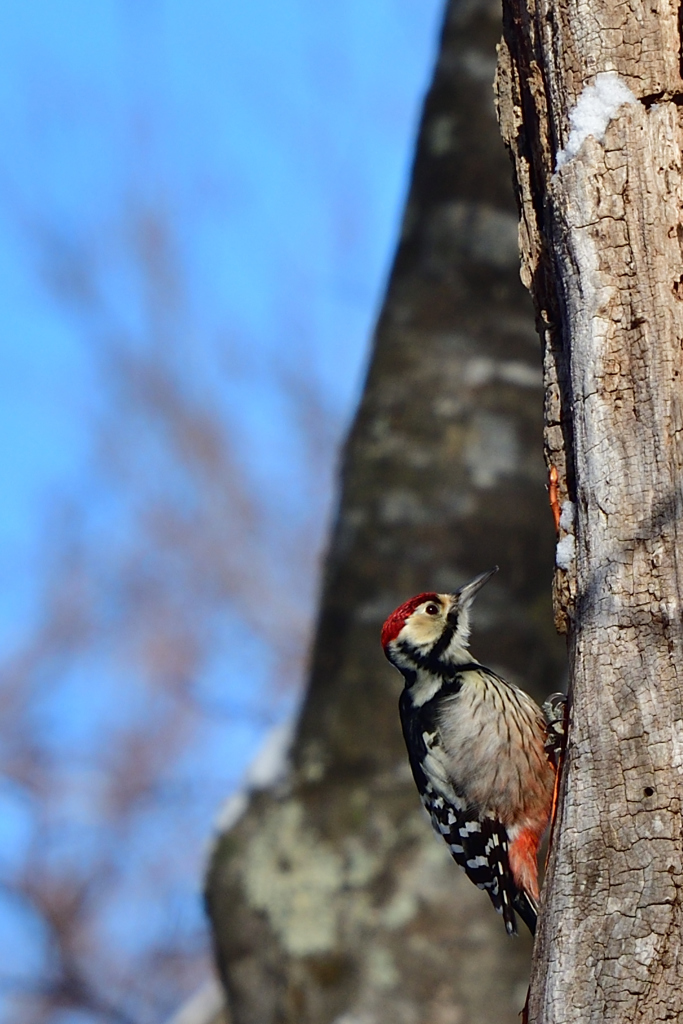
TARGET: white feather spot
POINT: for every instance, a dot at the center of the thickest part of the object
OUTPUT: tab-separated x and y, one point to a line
477	862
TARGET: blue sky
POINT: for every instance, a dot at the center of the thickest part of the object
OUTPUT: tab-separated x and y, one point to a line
277	136
275	140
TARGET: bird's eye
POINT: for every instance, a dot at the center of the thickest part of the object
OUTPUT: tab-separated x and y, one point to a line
432	609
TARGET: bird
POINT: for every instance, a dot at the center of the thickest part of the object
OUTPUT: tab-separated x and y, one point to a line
481	750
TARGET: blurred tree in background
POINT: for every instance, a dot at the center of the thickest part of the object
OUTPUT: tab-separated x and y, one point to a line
331	900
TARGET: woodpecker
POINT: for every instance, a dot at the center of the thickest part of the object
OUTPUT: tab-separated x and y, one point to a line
477	749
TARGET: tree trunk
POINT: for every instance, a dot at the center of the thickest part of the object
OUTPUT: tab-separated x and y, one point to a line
599	179
331	899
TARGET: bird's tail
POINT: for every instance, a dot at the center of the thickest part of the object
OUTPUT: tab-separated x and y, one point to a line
527	908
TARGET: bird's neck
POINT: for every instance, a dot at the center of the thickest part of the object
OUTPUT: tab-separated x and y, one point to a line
456	656
425	680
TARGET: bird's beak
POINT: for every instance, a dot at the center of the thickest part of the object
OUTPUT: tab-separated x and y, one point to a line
466	595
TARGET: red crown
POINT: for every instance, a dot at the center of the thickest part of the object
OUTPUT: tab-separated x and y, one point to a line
397	620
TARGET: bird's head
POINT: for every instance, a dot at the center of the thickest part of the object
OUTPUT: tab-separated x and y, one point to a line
431	631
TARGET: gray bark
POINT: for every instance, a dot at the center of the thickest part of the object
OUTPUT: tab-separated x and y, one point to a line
601	248
331	900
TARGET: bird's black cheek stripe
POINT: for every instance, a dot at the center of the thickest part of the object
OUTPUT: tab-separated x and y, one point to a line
410	677
431	662
441	645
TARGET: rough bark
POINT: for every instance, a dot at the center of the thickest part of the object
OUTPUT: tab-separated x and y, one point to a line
331	899
601	250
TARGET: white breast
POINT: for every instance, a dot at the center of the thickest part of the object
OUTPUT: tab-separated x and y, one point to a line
492	737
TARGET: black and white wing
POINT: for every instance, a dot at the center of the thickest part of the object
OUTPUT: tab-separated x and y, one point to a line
478	843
